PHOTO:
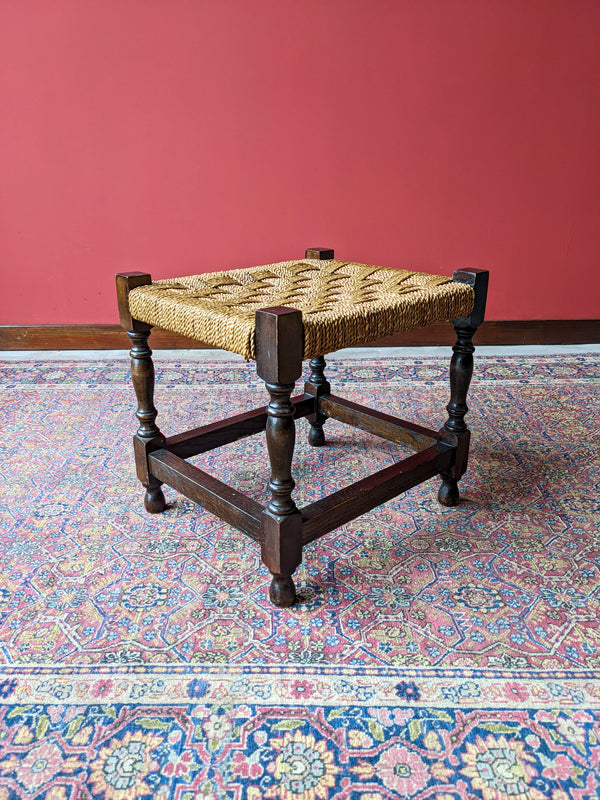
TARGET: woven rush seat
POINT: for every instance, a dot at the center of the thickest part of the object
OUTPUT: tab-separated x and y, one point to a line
343	304
278	315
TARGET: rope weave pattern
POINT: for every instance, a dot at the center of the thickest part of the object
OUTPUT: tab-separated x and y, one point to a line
343	304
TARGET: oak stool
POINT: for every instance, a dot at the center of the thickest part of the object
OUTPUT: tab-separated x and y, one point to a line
279	315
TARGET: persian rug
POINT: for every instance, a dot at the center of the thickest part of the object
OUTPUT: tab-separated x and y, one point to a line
436	653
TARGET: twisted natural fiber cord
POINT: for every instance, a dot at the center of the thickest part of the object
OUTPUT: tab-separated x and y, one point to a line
343	304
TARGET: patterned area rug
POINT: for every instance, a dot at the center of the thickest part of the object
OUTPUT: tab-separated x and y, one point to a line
436	653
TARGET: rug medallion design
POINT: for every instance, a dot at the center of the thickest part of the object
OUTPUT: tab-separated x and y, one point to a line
436	653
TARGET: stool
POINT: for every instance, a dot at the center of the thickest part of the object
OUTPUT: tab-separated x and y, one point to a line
279	315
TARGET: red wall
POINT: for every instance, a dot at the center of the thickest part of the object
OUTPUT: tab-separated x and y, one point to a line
178	136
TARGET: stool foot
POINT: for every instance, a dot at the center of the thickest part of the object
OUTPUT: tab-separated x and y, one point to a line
448	494
316	437
282	592
154	499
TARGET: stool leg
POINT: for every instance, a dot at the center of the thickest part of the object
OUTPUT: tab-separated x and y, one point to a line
279	363
317	385
148	436
282	523
461	371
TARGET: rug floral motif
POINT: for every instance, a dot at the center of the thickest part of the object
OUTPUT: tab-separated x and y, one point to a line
435	653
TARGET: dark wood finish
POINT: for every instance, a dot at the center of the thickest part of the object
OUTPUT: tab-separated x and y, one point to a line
216	434
329	513
491	332
478	279
501	333
279	350
280	527
280	434
148	436
382	425
84	337
282	553
461	372
279	344
220	499
322	253
279	364
125	282
154	499
317	385
142	376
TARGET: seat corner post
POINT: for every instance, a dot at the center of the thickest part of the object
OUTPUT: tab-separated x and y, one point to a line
319	253
461	372
148	436
279	351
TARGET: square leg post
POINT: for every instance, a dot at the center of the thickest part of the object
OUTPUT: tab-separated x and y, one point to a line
148	436
461	371
317	385
279	350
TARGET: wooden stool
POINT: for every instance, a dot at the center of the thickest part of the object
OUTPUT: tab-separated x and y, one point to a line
279	315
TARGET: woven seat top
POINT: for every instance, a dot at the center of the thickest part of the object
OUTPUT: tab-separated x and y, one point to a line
343	304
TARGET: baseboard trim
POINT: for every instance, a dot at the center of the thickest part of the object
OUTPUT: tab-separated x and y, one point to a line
112	337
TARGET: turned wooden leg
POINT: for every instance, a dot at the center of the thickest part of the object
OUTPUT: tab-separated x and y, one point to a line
279	348
317	385
148	436
461	371
282	523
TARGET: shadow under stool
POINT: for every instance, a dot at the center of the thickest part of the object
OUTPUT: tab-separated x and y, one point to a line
279	315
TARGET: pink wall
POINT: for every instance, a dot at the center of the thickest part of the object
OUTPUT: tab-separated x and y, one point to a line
178	136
